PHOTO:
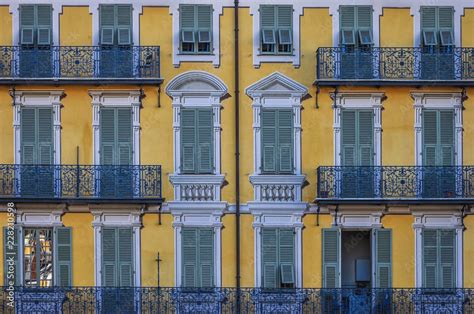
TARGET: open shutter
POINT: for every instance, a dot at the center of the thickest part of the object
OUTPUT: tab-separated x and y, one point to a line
429	26
204	26
124	24
364	17
206	257
446	25
188	141
124	136
365	135
63	247
269	257
447	259
187	27
269	141
27	24
430	137
446	137
430	258
268	24
383	258
45	136
189	257
331	258
107	136
286	252
109	257
204	143
28	136
285	141
284	24
347	24
107	24
348	136
44	24
125	257
11	251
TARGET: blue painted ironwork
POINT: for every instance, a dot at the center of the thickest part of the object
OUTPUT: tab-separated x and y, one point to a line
121	182
395	182
80	62
396	64
224	300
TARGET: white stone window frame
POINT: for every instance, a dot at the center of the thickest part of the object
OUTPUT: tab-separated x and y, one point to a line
293	57
117	218
438	101
448	221
214	56
357	101
37	98
196	217
116	99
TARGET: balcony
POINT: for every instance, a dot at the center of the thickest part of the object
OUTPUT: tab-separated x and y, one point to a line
394	66
411	184
63	183
230	300
80	64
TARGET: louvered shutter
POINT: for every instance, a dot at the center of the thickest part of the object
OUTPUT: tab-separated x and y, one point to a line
125	257
45	136
27	24
189	242
204	26
44	24
430	137
63	247
364	17
383	259
268	25
286	258
365	133
347	24
124	24
11	251
124	136
438	137
28	136
188	141
348	136
188	31
204	143
446	136
284	16
285	141
430	258
107	136
109	257
107	24
331	258
447	259
206	257
269	257
269	140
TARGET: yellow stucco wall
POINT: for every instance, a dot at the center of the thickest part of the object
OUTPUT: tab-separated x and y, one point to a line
71	21
5	26
396	28
468	252
467	25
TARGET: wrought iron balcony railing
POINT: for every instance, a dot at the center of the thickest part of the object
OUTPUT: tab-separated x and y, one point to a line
80	63
401	65
230	300
80	182
396	183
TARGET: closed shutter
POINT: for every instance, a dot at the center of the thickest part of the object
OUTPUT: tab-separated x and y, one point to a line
116	136
331	258
365	132
190	257
204	140
124	24
11	251
286	257
28	136
63	247
109	257
439	258
269	257
115	24
107	136
438	137
383	259
45	136
269	140
277	141
197	257
285	141
446	138
117	257
124	136
430	137
37	136
348	136
206	257
357	138
188	141
125	257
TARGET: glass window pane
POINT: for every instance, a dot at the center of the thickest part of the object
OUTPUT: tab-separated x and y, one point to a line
348	37
446	38
430	38
38	257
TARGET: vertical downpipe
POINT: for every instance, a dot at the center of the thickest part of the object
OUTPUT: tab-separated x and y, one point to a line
237	153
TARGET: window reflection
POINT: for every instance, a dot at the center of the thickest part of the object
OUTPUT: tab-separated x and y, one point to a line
38	257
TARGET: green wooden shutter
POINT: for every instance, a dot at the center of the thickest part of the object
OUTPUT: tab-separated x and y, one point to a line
383	258
44	24
45	136
204	27
365	134
107	24
124	24
285	141
446	137
430	137
268	26
269	140
447	259
107	136
28	136
284	16
438	137
348	137
286	256
8	251
109	257
269	257
347	24
430	258
189	238
188	141
364	17
206	257
437	25
124	136
27	24
63	247
204	140
125	257
331	258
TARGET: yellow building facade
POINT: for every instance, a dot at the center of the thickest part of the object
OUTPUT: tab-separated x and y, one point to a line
328	148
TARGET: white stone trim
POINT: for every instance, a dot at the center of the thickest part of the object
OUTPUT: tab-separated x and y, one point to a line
116	98
197	215
37	98
286	219
117	218
438	221
431	100
295	55
358	220
214	56
355	100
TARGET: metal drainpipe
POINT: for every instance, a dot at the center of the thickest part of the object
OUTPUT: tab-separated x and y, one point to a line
237	152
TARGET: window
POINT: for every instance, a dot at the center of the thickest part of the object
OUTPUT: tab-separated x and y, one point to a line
35	25
438	137
197	257
356	25
277	141
357	137
197	141
439	256
195	29
437	26
116	136
117	257
115	24
37	135
278	258
276	27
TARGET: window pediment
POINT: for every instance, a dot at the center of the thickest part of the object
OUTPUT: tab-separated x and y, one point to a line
276	84
195	83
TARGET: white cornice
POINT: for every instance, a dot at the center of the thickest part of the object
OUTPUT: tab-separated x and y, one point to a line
196	83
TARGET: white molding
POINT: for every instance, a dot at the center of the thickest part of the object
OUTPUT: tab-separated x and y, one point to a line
116	98
197	187
358	220
279	188
214	56
438	221
358	100
430	100
37	98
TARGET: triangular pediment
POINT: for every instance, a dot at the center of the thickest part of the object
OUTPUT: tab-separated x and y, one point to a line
276	83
